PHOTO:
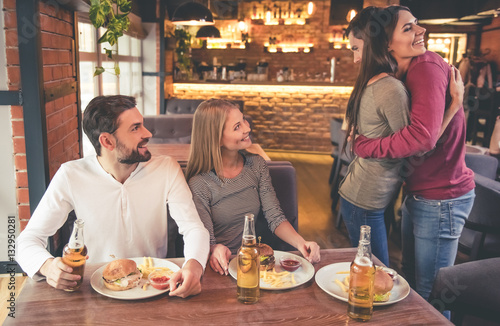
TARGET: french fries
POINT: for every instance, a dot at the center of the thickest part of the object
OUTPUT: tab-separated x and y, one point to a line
147	267
343	285
278	280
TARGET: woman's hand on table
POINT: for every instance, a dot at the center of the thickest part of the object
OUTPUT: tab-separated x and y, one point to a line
186	281
310	251
58	274
219	258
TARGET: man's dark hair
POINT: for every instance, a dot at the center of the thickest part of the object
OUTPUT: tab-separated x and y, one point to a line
101	115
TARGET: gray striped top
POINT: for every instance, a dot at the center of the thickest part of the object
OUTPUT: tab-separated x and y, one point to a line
223	203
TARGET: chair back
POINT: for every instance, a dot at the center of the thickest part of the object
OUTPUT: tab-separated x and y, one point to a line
481	234
482	164
284	181
337	137
56	242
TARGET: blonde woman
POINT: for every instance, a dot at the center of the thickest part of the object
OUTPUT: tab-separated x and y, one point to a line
228	182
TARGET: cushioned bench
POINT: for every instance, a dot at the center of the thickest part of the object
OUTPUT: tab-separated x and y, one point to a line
169	129
187	106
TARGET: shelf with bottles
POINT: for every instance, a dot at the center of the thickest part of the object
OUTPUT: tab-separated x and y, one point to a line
288	47
219	43
288	44
338	40
281	13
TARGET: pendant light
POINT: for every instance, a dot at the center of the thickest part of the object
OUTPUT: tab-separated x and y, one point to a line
208	32
192	14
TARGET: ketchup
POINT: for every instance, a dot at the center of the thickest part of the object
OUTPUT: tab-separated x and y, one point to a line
290	265
160	282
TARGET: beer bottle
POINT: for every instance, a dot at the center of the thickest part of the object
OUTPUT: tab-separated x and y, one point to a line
248	258
361	279
75	253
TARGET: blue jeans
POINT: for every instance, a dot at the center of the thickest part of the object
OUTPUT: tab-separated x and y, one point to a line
430	232
355	216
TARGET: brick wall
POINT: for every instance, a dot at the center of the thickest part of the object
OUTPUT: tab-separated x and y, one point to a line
59	75
295	118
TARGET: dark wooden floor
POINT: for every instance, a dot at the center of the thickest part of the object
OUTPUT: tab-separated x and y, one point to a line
316	219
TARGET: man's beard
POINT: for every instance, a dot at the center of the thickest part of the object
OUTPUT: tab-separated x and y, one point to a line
134	156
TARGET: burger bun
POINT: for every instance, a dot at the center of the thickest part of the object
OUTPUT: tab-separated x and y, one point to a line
382	285
121	274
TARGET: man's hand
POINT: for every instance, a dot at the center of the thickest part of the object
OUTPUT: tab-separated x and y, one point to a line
186	281
219	258
58	274
310	251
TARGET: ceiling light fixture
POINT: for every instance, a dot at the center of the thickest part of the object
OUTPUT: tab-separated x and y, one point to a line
208	32
192	14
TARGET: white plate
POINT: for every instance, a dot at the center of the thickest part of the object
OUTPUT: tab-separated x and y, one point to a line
301	275
135	293
325	278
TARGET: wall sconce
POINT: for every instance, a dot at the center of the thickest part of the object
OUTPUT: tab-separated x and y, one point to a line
268	15
242	26
310	8
192	14
350	15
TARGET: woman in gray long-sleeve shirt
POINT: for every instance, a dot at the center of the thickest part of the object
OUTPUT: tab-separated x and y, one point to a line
227	182
378	107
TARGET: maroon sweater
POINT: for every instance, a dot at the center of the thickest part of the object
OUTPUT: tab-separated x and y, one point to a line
440	173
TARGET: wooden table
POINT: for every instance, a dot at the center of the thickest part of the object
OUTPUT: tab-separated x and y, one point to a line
307	304
181	151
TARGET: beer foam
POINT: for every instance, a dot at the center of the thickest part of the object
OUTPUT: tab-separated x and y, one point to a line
363	261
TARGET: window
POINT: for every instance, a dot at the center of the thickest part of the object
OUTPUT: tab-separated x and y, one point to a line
93	55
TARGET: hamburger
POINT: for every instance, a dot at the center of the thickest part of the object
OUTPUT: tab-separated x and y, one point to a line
121	274
267	260
382	286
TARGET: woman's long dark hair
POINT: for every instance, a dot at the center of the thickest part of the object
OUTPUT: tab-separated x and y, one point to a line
375	27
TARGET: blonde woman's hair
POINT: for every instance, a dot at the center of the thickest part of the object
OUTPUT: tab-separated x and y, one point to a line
208	124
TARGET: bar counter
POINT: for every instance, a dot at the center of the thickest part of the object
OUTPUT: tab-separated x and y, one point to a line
286	116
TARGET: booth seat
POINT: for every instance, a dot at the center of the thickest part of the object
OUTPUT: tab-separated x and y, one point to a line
169	129
187	106
284	181
172	128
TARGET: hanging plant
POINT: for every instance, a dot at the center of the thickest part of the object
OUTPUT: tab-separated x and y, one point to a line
112	14
183	49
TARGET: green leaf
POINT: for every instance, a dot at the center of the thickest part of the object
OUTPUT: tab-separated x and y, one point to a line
109	53
125	6
106	7
96	16
98	71
103	38
125	24
117	70
112	37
